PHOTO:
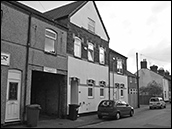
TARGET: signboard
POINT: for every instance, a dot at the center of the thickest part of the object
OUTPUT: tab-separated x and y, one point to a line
5	59
50	70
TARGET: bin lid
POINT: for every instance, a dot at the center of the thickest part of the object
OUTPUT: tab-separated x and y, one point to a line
36	106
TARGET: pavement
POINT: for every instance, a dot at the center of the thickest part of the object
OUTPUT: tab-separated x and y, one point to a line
82	120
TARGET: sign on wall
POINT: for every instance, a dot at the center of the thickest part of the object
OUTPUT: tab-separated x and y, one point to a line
5	59
50	70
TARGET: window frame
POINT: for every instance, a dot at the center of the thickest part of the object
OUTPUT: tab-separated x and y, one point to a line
48	37
122	93
91	25
120	66
102	85
79	45
91	50
101	54
91	85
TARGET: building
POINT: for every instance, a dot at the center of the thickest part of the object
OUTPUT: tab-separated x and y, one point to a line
132	89
118	78
33	63
87	49
152	75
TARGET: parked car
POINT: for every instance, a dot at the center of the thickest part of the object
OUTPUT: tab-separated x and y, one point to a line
115	109
156	102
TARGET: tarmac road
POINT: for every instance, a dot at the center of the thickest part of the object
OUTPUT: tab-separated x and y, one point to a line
156	118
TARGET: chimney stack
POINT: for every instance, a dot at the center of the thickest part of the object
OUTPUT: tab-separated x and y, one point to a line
154	68
144	64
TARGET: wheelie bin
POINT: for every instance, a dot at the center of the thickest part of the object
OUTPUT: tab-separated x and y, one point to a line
32	114
73	111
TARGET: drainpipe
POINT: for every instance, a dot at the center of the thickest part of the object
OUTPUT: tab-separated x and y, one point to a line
109	74
26	64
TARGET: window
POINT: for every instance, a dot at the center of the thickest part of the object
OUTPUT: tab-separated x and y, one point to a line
91	25
119	66
102	87
77	47
50	37
101	56
130	79
90	52
122	94
135	80
90	84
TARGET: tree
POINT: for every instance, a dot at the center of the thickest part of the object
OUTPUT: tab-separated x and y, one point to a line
152	89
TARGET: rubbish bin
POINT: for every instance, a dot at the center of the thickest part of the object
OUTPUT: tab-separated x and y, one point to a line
32	115
73	111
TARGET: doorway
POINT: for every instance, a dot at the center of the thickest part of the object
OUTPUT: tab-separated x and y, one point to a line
12	112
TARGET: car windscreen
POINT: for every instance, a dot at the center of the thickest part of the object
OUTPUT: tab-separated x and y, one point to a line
106	104
154	99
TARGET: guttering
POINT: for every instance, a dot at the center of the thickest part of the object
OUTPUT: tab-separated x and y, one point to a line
26	64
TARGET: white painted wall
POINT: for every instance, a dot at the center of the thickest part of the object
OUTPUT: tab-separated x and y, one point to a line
119	79
85	70
80	18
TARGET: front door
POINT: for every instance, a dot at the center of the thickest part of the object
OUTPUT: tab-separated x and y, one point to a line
13	96
74	92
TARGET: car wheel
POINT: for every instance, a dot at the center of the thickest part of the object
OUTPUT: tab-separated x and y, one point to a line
150	107
100	117
165	106
131	113
117	115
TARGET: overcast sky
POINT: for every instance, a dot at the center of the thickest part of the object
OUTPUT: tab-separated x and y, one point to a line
133	26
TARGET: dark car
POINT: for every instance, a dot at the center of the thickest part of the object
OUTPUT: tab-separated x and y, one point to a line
115	109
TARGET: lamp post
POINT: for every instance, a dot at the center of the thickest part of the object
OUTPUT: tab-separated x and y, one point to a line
137	81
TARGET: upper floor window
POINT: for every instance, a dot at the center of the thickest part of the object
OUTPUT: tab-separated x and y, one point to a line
91	84
119	66
91	25
101	55
50	38
130	79
77	47
90	52
102	87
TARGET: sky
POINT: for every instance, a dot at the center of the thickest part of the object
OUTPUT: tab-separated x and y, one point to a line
142	27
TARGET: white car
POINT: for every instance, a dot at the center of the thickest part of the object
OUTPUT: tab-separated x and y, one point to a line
156	102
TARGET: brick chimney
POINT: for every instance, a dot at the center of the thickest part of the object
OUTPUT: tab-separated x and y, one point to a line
144	64
154	68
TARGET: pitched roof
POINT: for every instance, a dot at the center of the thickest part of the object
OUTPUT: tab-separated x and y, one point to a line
130	74
65	10
70	9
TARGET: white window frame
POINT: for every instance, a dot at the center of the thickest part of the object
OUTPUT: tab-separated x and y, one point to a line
91	84
119	66
102	87
122	95
77	43
90	52
51	38
101	55
91	25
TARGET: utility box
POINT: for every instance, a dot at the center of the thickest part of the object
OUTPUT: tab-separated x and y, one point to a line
32	114
73	111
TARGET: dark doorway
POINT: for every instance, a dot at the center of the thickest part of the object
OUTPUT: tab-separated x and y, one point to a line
45	91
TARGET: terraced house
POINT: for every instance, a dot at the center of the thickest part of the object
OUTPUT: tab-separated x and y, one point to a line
87	49
33	63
